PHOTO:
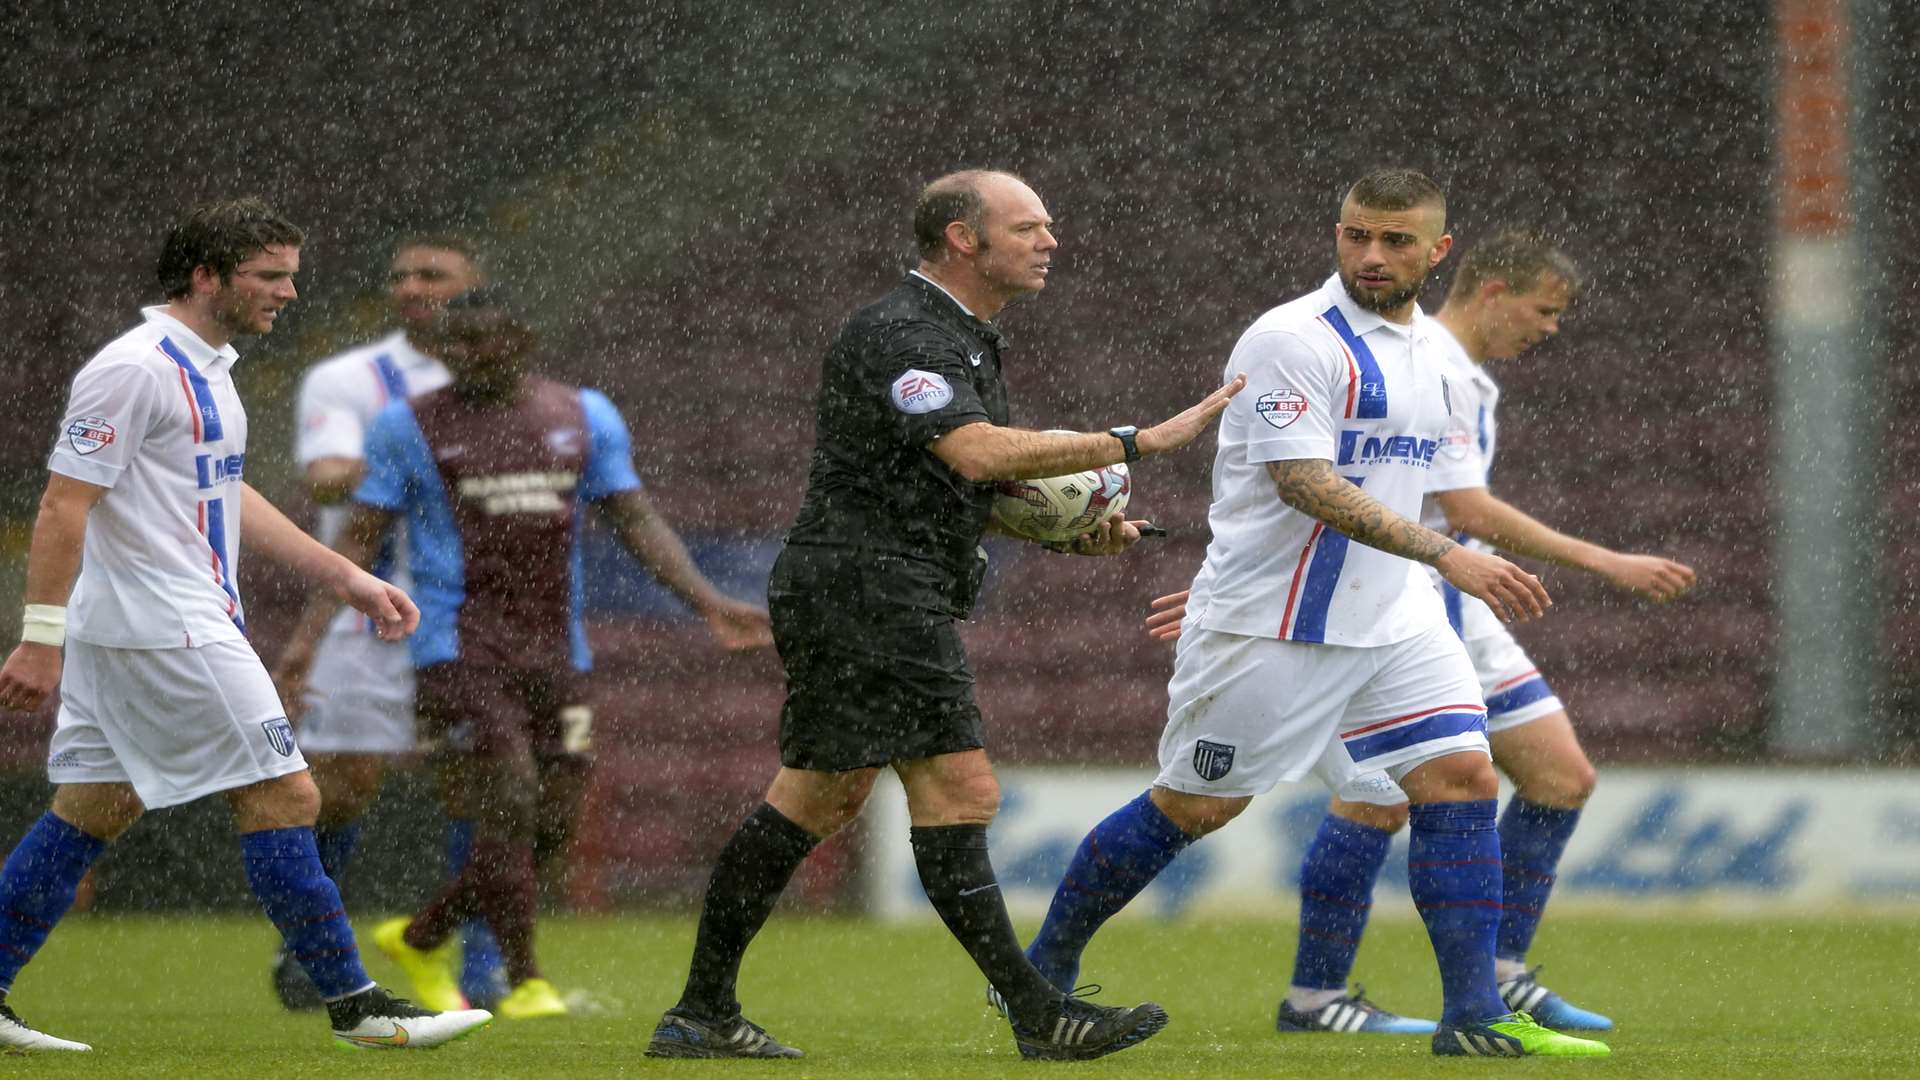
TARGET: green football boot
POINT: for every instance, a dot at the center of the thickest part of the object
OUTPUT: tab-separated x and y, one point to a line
1512	1035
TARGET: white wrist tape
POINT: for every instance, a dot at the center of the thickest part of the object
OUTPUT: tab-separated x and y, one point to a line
44	624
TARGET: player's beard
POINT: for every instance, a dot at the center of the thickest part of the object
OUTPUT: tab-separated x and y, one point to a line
236	314
1380	303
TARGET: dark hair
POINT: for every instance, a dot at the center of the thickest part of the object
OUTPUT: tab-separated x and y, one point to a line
460	243
1517	257
953	197
1396	189
221	234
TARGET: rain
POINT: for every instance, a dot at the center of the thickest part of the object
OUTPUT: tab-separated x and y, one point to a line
688	200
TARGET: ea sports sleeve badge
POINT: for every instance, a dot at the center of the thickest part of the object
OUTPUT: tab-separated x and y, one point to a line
917	391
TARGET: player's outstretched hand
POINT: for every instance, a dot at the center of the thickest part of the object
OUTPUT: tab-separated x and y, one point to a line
739	627
1651	576
1112	536
1512	593
30	674
1186	427
390	608
1169	612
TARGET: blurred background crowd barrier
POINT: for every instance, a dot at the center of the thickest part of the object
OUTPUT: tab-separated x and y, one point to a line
695	194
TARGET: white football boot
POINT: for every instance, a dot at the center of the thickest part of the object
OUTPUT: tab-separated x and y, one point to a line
16	1035
376	1020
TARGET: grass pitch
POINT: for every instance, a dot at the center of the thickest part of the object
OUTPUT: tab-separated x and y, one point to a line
1693	997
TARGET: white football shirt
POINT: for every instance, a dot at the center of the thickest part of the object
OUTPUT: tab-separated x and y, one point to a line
1325	379
339	397
155	419
1465	459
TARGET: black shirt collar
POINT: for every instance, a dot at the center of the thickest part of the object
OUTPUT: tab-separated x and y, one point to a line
941	298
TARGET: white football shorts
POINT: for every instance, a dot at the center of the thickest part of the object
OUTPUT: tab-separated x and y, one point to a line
177	724
359	697
1246	713
1513	688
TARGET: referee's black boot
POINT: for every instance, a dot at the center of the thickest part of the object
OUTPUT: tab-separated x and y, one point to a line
1079	1030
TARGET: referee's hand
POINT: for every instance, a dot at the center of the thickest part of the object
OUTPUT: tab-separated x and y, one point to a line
1174	433
1113	536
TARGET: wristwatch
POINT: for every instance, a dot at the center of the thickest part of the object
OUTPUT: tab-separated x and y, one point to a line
1129	438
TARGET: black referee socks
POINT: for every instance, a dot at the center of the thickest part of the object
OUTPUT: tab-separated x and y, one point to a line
958	877
751	873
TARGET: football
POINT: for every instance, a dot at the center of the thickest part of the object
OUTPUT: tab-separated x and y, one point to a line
1059	508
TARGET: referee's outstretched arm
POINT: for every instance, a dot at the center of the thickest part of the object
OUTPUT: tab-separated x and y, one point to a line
982	452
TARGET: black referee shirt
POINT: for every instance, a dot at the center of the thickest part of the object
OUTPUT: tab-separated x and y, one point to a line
902	372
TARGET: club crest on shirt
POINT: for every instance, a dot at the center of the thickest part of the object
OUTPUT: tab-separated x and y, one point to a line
1280	407
917	391
279	735
1212	760
89	434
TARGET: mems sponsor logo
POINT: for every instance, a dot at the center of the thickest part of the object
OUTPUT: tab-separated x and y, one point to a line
521	493
212	470
1383	449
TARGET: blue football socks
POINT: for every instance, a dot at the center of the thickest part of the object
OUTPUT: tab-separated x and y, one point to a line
1453	871
482	969
336	846
1532	839
1119	858
36	888
1336	895
283	866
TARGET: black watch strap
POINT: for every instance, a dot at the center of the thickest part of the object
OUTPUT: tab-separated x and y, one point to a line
1129	437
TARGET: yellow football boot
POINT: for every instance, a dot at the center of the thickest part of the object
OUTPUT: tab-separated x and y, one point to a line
533	999
431	971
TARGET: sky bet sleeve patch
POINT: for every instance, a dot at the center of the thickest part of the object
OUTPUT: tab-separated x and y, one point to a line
89	433
1280	407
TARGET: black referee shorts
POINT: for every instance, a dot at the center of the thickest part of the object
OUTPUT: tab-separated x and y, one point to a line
866	688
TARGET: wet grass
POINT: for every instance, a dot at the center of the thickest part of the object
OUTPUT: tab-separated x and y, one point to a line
1694	997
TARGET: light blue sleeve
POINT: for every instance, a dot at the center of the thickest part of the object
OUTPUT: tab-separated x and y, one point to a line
396	452
609	468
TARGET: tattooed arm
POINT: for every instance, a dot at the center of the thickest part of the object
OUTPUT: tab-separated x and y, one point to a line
1311	486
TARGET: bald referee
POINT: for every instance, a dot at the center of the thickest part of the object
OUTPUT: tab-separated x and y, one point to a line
881	565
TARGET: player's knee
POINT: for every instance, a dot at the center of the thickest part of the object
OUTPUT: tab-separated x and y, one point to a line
284	802
1198	815
1385	818
1462	776
1566	785
343	804
102	811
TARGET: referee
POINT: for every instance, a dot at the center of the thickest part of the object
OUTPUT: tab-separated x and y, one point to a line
884	559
